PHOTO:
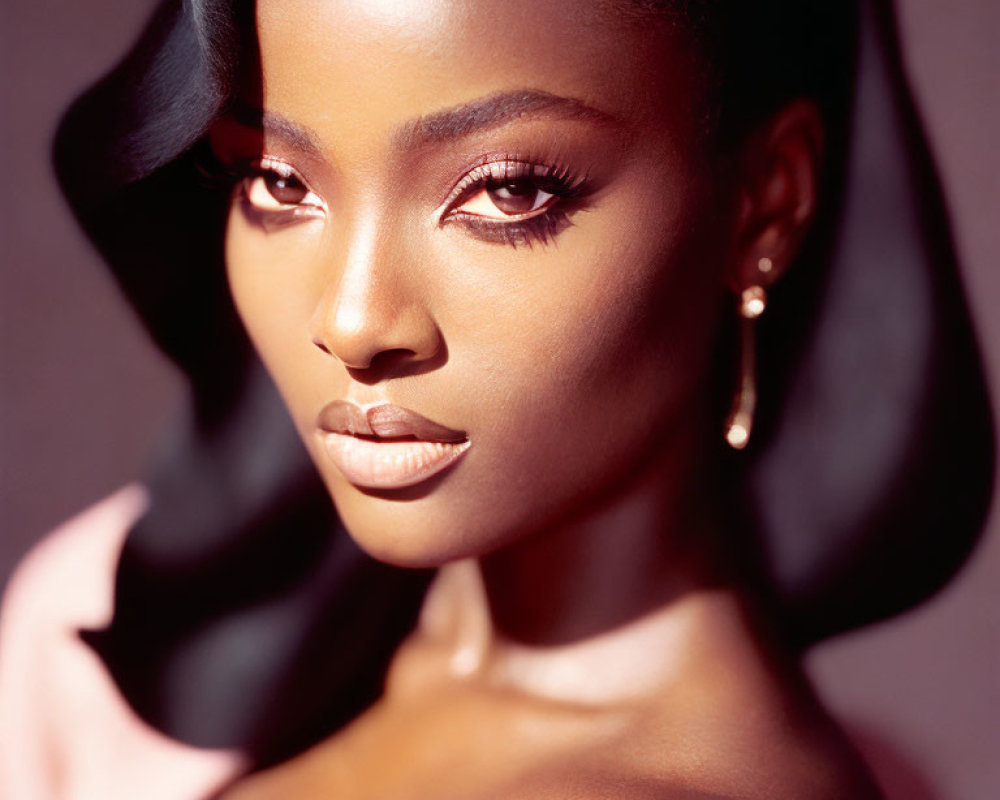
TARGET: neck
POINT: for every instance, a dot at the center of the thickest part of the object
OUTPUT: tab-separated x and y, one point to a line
600	607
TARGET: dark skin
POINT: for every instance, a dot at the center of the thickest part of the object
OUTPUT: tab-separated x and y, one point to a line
587	635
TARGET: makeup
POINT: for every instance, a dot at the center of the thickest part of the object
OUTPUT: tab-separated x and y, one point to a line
515	202
387	446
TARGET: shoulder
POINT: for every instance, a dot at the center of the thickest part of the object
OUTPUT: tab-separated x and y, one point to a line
755	753
64	728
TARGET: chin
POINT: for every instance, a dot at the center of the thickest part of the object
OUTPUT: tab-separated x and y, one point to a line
411	529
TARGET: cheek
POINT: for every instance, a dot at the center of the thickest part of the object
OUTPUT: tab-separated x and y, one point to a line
629	313
593	366
270	280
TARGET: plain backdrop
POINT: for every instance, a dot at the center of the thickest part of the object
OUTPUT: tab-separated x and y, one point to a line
83	394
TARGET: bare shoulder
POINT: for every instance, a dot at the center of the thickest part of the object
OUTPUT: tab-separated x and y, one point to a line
582	782
744	763
754	752
65	730
467	748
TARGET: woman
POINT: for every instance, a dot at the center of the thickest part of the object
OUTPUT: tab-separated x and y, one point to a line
493	286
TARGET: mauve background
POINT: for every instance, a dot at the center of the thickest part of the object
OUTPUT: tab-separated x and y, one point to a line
83	393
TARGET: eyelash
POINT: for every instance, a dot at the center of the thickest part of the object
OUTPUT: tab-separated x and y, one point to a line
235	179
269	168
567	189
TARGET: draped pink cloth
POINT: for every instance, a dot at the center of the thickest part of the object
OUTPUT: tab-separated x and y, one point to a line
65	731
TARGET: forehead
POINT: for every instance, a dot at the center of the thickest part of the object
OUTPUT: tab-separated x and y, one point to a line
354	69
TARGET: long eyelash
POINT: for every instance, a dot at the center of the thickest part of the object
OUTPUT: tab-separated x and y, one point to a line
554	179
229	178
216	173
562	181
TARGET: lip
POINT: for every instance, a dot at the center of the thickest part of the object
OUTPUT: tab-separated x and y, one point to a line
387	446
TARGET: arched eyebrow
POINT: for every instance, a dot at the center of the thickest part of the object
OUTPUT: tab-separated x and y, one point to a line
280	127
492	111
452	123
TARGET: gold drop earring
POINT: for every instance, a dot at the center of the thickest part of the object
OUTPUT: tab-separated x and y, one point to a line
739	424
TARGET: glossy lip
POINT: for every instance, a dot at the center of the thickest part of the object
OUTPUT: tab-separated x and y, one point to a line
387	446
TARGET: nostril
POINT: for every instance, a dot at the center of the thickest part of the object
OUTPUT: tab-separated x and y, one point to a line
387	360
319	343
384	364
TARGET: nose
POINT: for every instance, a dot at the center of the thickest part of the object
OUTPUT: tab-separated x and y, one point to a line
369	313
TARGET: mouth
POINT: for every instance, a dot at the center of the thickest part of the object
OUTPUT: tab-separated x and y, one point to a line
387	446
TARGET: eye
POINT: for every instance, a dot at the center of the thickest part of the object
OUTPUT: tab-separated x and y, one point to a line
515	197
515	202
276	187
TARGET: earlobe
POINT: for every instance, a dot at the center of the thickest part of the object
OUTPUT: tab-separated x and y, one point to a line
780	173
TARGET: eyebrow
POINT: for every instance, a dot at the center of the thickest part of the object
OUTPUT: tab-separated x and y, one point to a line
452	123
280	127
494	110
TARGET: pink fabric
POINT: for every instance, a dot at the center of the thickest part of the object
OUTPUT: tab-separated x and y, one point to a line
65	731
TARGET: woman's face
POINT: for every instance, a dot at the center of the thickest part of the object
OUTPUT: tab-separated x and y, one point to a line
499	215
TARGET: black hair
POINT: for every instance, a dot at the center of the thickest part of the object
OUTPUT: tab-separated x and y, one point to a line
757	57
244	615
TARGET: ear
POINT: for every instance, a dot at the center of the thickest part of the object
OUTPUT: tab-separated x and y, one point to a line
779	177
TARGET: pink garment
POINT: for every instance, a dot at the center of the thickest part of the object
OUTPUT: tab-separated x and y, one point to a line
66	733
